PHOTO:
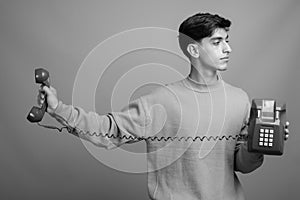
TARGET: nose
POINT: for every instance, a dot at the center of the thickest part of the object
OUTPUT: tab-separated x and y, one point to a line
227	48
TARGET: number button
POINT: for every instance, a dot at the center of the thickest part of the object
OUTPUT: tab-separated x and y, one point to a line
270	140
261	135
261	130
266	130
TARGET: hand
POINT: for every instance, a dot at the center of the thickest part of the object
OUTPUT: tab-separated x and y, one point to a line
286	130
51	95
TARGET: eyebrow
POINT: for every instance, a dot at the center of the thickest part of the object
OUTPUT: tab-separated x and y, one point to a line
219	38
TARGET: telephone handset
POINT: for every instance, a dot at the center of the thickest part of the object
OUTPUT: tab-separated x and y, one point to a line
266	127
36	114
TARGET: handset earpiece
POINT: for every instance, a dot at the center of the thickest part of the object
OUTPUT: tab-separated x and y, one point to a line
42	76
36	114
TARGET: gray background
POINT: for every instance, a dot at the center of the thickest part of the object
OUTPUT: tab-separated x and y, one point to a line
36	163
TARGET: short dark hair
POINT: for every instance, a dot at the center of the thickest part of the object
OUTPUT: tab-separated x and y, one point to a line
199	26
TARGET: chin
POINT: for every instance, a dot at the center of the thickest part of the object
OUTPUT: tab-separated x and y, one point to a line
222	69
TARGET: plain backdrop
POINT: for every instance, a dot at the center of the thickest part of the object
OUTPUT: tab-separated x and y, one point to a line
37	163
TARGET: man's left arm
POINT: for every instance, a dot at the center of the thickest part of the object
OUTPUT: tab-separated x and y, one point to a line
245	161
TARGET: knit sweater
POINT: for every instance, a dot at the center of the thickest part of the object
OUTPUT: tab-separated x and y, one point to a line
191	133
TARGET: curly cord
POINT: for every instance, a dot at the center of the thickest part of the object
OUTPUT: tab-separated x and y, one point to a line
70	129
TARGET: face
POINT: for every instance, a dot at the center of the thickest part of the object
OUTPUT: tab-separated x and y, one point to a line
214	51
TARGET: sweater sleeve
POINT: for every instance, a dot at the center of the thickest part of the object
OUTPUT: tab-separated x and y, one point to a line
244	161
108	131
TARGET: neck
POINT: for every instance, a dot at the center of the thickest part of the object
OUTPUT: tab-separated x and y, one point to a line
203	76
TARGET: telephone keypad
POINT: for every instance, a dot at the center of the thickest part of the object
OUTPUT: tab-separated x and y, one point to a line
266	137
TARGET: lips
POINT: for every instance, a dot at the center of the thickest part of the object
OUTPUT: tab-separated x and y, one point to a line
225	58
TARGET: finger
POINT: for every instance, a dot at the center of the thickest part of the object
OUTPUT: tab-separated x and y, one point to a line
41	94
287	131
286	137
40	100
47	90
287	124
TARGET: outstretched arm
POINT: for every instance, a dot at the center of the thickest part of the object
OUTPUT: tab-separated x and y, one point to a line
109	131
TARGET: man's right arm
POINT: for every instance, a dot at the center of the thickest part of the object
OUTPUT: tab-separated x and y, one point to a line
109	131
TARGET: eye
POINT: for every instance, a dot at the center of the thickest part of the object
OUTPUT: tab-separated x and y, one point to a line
216	43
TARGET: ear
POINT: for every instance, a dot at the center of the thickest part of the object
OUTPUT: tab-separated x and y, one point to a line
193	50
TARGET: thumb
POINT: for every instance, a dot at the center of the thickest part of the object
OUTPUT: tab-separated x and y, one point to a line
47	90
51	98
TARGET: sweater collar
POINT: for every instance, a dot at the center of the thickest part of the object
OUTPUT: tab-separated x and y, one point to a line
203	87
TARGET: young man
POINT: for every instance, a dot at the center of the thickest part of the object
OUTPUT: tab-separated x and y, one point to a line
184	161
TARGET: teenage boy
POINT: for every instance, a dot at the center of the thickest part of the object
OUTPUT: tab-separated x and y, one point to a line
184	162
